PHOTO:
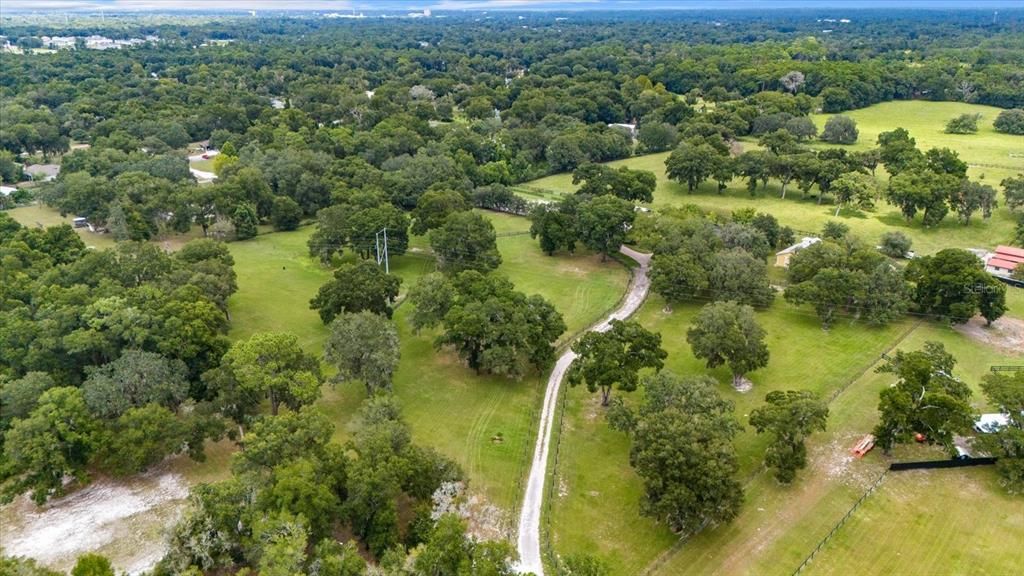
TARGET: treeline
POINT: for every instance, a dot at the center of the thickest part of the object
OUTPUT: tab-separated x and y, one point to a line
103	353
114	360
168	93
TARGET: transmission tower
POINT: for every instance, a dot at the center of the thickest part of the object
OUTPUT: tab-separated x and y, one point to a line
382	257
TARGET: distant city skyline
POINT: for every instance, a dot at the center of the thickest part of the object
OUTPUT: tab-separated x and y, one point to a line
522	5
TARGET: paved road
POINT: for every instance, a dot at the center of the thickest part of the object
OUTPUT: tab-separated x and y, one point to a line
529	518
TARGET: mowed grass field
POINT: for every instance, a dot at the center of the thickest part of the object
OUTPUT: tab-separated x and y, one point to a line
992	157
487	424
780	525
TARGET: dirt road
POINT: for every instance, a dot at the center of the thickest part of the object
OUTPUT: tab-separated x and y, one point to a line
529	517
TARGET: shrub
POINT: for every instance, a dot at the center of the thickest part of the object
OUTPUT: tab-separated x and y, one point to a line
963	124
840	130
1010	121
895	244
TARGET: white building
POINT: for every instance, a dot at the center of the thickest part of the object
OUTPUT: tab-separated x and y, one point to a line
782	257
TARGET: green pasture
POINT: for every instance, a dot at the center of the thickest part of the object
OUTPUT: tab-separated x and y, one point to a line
992	157
485	423
780	525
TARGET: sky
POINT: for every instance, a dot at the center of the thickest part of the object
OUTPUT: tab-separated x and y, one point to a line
416	5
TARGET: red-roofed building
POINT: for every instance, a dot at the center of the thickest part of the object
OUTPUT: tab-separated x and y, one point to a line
1004	260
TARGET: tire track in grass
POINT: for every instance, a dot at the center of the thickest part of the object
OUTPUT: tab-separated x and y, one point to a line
474	439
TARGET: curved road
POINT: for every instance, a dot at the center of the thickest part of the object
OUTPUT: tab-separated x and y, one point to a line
529	518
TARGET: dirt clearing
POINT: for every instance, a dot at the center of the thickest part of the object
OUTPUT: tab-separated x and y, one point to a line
125	521
1005	334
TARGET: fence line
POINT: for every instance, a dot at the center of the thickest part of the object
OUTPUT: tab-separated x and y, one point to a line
932	464
678	545
842	521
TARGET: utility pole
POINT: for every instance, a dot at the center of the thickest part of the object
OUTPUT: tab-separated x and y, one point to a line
382	257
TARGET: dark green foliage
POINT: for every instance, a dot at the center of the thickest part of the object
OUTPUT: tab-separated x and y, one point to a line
92	565
898	150
449	551
963	124
692	164
790	417
970	197
1013	190
920	189
135	379
658	137
466	241
953	284
926	399
682	450
556	225
614	358
272	365
895	244
625	183
21	566
140	438
849	278
834	230
356	287
493	327
56	440
840	130
433	208
726	333
363	346
602	223
285	214
1006	393
1010	121
245	221
19	397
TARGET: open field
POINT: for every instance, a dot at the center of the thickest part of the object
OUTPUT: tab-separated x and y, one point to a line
204	165
925	120
485	423
37	214
780	525
988	152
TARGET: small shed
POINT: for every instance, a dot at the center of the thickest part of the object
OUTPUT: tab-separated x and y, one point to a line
782	257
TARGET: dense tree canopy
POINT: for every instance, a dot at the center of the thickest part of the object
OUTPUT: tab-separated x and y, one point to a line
682	449
927	398
614	358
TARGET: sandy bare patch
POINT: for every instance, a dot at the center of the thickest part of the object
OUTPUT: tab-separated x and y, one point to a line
486	521
835	461
1005	334
124	520
743	385
593	409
